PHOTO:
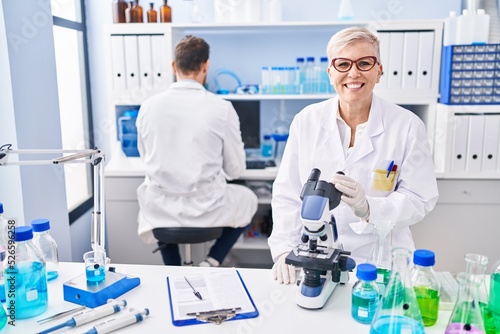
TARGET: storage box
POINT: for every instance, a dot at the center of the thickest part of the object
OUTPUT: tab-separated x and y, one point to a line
470	74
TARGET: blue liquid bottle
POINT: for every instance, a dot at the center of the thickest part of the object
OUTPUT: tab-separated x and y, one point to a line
26	277
365	294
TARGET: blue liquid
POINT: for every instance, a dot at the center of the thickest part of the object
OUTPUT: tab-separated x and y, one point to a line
26	289
2	293
52	275
95	274
364	305
396	325
3	317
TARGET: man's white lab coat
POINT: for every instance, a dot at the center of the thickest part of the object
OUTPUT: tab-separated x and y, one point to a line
391	134
190	141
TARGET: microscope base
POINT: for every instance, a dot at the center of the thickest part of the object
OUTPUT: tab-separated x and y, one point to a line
80	291
318	301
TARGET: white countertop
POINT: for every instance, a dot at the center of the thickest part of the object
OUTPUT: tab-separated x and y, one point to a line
278	311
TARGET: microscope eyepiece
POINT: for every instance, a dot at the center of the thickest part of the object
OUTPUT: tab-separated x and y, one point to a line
314	176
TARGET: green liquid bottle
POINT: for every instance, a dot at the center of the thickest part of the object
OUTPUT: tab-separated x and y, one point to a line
494	299
426	285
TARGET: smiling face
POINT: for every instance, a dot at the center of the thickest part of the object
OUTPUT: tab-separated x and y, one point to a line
355	87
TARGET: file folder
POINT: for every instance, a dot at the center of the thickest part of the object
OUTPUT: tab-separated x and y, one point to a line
131	63
198	293
145	62
475	143
160	65
491	142
410	58
459	151
425	54
384	38
118	65
395	60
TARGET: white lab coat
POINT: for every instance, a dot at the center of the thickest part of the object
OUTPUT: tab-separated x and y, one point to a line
391	133
190	141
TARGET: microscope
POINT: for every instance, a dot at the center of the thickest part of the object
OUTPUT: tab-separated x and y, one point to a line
323	261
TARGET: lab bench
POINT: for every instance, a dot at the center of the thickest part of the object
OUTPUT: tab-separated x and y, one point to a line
278	310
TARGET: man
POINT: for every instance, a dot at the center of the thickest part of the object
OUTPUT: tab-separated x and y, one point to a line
190	142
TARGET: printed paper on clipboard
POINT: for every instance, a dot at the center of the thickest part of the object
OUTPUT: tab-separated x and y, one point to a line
220	289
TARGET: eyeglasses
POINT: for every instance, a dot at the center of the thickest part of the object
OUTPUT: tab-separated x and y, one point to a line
363	64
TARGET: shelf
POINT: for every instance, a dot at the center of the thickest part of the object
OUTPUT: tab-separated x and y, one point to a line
258	97
257	243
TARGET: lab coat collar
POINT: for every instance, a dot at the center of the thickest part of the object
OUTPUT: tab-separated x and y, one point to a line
187	83
374	127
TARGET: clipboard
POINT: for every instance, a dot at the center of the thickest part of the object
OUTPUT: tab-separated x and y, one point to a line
224	297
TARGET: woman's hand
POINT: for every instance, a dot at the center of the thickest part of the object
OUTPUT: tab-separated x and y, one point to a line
353	195
282	272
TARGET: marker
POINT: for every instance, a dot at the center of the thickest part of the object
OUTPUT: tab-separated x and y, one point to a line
196	293
389	169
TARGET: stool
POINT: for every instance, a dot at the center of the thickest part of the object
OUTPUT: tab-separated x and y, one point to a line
186	236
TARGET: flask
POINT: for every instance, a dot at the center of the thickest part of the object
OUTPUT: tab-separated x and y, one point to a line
465	317
380	254
119	7
476	266
309	76
345	10
365	294
426	285
300	75
46	245
398	310
465	27
165	12
481	27
267	146
494	299
131	13
450	29
152	14
28	271
138	8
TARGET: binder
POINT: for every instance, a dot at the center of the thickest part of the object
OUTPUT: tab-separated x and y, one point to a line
118	64
475	143
160	66
491	141
425	54
410	58
395	60
131	63
459	152
384	38
193	295
145	62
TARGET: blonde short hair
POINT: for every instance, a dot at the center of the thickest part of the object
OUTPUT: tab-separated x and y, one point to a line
349	36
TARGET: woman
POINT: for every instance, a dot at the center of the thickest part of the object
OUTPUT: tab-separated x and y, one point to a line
382	149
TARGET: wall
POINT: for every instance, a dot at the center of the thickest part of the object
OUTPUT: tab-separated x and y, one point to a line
32	113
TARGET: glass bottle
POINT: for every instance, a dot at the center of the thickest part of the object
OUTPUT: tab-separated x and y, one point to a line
2	280
380	254
29	293
47	246
476	265
365	294
119	7
494	300
152	14
165	12
138	8
131	13
267	146
398	310
426	285
466	316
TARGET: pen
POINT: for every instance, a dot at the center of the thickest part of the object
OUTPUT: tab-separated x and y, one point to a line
389	169
196	293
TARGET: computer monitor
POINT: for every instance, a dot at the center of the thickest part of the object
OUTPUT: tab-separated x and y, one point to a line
249	114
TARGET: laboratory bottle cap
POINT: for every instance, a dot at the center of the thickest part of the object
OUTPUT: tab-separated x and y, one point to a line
324	59
267	137
300	60
310	58
1	208
481	12
23	233
2	254
424	258
40	225
366	272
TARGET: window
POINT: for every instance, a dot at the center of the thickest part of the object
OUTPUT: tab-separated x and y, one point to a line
74	100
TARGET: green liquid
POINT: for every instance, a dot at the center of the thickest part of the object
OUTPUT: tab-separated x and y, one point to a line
383	276
428	302
488	321
466	314
494	302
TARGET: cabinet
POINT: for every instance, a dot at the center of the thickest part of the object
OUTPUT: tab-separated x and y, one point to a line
411	79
